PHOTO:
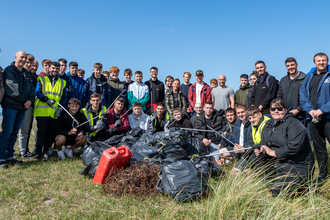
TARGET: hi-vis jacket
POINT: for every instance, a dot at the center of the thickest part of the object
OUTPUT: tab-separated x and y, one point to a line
89	114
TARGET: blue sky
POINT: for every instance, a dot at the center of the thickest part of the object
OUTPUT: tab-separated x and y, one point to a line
219	37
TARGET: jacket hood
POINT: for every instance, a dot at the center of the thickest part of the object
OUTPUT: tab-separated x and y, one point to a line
248	86
138	118
89	107
103	78
301	76
112	79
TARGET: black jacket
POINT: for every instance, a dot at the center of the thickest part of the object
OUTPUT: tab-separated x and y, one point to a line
156	91
283	92
18	87
90	87
248	98
219	122
289	139
264	92
64	123
183	123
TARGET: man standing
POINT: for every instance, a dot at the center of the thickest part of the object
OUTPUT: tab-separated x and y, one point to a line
156	89
24	134
138	91
241	94
19	95
253	79
315	101
214	119
265	89
46	66
158	119
49	90
62	75
199	92
185	88
77	82
116	86
290	86
223	96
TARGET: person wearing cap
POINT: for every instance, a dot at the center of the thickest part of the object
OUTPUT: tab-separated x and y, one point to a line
241	93
199	92
223	96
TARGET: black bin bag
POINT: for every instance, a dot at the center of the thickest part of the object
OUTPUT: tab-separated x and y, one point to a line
146	151
94	150
182	181
195	147
206	167
90	170
172	153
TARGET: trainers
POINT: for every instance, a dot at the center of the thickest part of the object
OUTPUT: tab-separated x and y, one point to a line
3	165
69	153
61	154
14	161
46	156
27	155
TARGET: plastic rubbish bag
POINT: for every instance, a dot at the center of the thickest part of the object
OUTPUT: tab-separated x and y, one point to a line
172	153
146	151
206	167
145	139
114	140
172	136
195	147
182	181
90	170
94	150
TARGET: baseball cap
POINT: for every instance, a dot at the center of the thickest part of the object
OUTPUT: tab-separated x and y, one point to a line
199	73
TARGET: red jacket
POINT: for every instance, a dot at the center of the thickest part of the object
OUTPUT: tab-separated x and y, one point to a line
205	95
42	73
111	123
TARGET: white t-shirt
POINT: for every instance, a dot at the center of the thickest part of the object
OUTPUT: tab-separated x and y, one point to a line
241	135
198	92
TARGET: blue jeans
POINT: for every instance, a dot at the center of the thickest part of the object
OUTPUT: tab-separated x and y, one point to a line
11	123
213	148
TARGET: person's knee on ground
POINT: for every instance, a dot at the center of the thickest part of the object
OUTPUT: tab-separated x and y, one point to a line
60	141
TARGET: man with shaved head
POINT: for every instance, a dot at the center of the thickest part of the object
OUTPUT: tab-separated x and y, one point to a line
19	95
223	96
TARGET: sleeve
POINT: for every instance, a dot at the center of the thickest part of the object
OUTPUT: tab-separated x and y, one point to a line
231	94
296	133
108	92
146	96
39	93
184	103
191	99
272	92
32	92
208	94
253	94
280	88
81	91
125	123
167	104
70	88
304	97
86	89
12	86
63	98
161	93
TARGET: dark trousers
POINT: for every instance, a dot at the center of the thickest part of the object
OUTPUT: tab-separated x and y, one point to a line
45	134
101	136
319	132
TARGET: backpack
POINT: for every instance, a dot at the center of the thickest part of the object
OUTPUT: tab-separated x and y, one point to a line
2	85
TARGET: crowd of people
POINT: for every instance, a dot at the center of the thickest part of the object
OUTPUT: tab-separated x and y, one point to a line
265	121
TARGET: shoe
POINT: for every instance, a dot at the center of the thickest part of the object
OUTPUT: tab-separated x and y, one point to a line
46	155
27	155
14	161
3	165
39	157
49	152
61	154
69	153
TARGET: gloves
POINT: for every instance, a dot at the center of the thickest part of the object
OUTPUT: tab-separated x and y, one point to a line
217	135
57	111
118	123
50	102
99	125
111	130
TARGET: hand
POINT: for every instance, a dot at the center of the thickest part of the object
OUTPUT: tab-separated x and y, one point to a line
257	152
80	134
99	125
221	162
206	142
58	112
237	147
50	102
225	132
112	130
260	107
295	112
72	131
27	104
318	113
266	150
188	110
118	123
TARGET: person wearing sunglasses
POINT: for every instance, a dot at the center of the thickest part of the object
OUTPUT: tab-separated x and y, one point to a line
284	141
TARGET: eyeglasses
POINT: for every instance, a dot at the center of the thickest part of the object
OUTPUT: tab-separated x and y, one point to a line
278	109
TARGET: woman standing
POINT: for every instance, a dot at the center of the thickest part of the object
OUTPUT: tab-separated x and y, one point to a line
285	139
175	99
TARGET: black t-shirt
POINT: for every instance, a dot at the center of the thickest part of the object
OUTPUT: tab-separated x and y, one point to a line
176	100
158	125
211	135
116	116
289	100
98	85
313	86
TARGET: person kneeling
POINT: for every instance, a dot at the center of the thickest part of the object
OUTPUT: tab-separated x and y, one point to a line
66	133
138	118
181	120
117	118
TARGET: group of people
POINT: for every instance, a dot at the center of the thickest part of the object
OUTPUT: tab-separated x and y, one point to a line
262	122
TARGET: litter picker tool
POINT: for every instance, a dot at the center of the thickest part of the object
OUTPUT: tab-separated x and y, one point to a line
135	126
103	113
247	148
74	120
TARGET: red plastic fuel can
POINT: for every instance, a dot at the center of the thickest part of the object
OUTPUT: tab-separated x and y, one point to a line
112	159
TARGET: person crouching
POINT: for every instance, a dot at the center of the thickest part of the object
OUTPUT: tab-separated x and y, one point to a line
66	133
138	118
181	120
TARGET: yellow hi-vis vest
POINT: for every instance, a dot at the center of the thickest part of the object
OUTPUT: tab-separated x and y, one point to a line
256	133
42	109
168	118
89	116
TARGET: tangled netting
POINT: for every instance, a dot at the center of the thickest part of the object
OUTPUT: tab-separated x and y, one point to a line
140	178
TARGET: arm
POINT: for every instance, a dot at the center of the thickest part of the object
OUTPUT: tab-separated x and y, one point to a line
232	99
184	103
167	103
208	94
161	93
272	92
86	90
81	91
146	97
280	89
125	124
39	93
63	98
253	94
12	86
108	92
304	97
191	99
60	125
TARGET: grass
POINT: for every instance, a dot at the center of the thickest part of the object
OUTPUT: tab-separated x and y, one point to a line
55	190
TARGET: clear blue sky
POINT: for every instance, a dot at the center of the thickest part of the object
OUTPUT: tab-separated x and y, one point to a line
219	37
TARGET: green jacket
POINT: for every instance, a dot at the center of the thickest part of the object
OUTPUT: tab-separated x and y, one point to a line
169	103
241	94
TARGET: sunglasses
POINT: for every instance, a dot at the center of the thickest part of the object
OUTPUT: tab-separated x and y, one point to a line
278	109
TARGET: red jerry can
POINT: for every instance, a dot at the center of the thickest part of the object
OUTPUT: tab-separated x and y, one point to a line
112	159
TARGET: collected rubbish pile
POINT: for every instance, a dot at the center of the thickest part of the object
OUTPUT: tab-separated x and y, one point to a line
171	162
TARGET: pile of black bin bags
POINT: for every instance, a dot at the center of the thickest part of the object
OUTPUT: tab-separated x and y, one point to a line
184	171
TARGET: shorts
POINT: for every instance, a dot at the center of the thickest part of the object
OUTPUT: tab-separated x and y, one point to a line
213	148
232	154
71	139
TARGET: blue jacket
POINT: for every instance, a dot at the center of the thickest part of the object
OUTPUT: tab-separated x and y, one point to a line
91	87
69	88
237	130
78	87
323	96
314	68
